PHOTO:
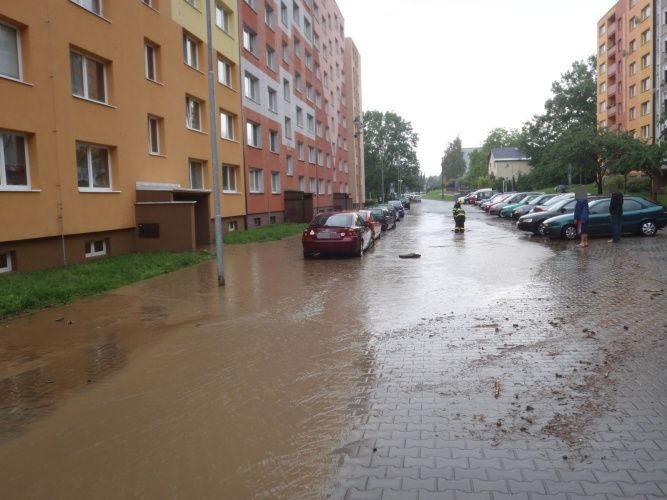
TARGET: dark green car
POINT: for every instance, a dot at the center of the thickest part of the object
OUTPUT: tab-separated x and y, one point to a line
640	216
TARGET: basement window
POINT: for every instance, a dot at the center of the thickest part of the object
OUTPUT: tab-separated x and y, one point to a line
232	226
6	262
96	248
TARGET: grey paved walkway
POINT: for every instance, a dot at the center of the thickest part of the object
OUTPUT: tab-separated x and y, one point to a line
558	390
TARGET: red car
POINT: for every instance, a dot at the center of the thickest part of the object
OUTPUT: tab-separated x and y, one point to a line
337	233
375	226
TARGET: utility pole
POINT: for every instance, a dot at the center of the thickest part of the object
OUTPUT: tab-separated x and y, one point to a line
214	149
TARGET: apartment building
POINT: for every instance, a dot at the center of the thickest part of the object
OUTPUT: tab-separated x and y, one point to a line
625	64
105	128
294	109
357	177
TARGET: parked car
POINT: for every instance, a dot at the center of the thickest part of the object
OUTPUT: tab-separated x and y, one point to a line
405	201
640	216
517	197
483	196
494	199
536	201
384	216
477	195
533	221
506	212
375	226
398	206
336	233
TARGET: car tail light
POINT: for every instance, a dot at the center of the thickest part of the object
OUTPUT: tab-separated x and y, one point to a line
351	232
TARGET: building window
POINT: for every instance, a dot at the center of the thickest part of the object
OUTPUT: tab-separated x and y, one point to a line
300	151
290	165
312	185
93	165
646	132
286	89
270	58
646	108
285	51
272	219
310	123
321	187
632	46
196	174
646	60
297	49
646	84
284	18
632	90
6	262
254	131
193	113
14	169
297	82
646	12
309	60
257	221
252	3
150	60
275	182
288	127
632	69
273	100
269	16
222	17
96	248
603	87
273	141
228	179
190	51
249	40
232	226
256	180
10	52
296	14
312	155
89	77
302	183
633	113
310	92
94	6
603	68
251	86
308	29
299	117
192	2
224	72
154	135
329	187
646	36
227	125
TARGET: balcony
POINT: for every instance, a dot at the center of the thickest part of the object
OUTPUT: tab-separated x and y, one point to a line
611	112
611	70
611	90
611	30
612	51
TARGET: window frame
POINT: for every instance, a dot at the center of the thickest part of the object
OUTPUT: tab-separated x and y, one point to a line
98	14
190	41
156	120
19	58
255	180
227	128
254	134
9	265
272	99
84	74
147	64
93	252
3	164
226	17
230	175
194	162
275	182
189	98
228	72
251	87
89	164
249	40
274	141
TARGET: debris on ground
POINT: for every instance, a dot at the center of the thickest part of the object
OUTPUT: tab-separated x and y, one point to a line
497	389
411	255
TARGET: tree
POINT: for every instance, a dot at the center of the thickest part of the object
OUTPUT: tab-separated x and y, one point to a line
389	152
479	158
453	164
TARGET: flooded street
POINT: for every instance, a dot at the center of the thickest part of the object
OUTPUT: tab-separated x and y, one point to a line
307	379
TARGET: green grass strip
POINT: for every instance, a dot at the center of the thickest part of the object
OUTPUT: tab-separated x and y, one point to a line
23	292
265	233
437	195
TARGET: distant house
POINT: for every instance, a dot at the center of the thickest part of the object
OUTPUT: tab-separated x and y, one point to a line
466	156
508	163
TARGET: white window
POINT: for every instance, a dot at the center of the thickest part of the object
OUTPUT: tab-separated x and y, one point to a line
603	87
5	262
94	6
646	12
646	132
229	179
322	187
603	68
288	127
632	46
89	77
232	226
286	89
190	51
320	157
275	182
254	132
273	100
290	165
269	15
224	72
646	36
319	129
273	141
646	60
285	52
249	40
312	155
646	84
633	113
308	29
309	60
632	69
150	60
302	183
270	57
310	92
252	3
251	86
299	117
10	52
297	82
196	174
284	18
300	151
93	165
296	14
193	113
226	125
14	168
96	248
632	90
222	17
154	135
256	180
192	2
646	108
312	185
310	123
329	187
297	48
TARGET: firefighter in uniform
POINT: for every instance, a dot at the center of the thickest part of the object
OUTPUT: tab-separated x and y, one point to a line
459	218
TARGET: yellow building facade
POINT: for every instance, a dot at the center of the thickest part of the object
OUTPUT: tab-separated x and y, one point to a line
106	132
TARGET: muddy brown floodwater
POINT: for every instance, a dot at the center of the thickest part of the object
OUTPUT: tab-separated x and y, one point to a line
175	388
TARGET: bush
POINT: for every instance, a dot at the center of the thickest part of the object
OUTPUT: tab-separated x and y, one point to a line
613	183
638	184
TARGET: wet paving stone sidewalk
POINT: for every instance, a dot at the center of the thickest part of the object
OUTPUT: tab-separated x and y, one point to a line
558	390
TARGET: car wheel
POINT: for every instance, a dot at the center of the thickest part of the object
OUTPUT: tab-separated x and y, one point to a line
569	232
540	229
648	228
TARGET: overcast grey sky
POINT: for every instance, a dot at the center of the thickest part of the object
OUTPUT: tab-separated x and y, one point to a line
464	67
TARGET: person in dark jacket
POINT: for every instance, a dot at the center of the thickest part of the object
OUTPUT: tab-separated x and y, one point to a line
581	220
459	218
616	212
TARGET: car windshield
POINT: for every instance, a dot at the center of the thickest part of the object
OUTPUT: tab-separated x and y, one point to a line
336	220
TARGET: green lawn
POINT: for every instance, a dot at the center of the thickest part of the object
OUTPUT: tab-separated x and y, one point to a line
437	195
23	292
265	233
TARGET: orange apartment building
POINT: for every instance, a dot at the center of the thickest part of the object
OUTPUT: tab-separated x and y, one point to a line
105	128
626	69
296	133
355	123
